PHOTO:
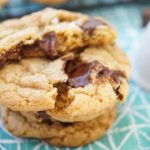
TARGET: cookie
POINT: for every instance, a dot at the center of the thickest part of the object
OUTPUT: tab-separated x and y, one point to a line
3	3
59	133
51	33
50	2
78	86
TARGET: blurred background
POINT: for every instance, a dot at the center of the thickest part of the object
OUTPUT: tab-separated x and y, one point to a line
131	131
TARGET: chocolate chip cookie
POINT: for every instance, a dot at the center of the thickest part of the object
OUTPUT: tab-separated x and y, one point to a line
59	133
78	86
51	33
61	76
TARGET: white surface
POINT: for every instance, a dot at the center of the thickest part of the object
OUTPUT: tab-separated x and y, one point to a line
141	61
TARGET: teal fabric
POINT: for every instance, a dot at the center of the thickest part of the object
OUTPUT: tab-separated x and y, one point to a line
131	130
17	8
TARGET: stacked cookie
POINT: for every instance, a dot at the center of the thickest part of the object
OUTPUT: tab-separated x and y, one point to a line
61	76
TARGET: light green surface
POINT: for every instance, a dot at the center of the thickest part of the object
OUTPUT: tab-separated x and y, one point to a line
131	130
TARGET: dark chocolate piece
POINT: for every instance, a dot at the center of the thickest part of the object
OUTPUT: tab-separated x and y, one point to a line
49	44
146	16
103	72
119	95
80	76
2	64
71	65
113	74
2	61
90	25
117	75
78	73
14	55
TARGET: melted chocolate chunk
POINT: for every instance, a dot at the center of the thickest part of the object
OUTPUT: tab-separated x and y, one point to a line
78	74
115	75
103	72
9	55
49	44
46	47
119	95
90	25
71	65
2	62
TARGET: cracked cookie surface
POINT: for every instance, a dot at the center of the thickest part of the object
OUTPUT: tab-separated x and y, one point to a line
58	133
51	33
75	87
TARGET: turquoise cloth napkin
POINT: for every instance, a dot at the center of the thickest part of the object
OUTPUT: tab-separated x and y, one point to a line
17	8
131	130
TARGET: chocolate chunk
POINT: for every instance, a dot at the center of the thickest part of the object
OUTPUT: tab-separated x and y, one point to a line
71	65
2	62
79	72
90	25
116	76
103	72
80	75
146	16
119	95
113	76
49	44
